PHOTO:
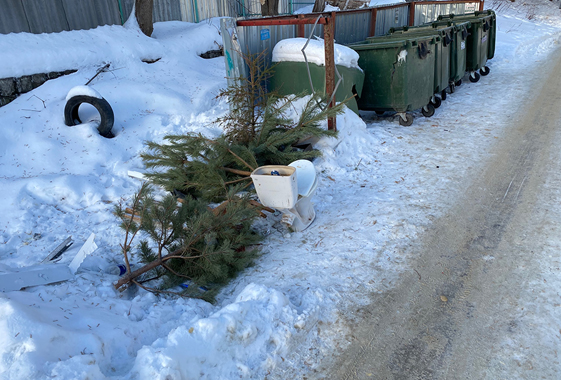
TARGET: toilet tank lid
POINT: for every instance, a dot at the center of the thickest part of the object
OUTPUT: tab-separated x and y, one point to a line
305	174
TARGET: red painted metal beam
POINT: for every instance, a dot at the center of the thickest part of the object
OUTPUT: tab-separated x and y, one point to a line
310	18
481	5
412	13
269	21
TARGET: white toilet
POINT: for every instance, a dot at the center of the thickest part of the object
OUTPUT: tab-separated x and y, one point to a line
288	189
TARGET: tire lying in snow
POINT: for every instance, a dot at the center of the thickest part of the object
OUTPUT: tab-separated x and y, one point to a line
72	118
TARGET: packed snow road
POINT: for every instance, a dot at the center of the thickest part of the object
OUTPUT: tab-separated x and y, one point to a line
470	309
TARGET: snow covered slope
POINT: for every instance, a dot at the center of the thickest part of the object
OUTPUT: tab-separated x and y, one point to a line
381	184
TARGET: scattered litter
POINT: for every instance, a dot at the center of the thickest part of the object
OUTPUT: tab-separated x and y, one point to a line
44	274
88	247
58	251
134	174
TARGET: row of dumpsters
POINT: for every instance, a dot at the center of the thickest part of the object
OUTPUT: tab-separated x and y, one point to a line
410	68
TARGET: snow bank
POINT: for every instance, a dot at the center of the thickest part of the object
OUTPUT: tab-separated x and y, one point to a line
310	8
380	185
291	50
83	90
377	3
73	50
240	340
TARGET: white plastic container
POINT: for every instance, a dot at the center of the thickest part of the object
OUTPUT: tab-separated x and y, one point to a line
278	191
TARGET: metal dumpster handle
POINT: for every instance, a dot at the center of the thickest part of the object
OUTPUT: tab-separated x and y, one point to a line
423	50
447	39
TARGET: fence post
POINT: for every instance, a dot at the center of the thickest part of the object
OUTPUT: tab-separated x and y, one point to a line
373	16
481	5
412	13
301	28
328	37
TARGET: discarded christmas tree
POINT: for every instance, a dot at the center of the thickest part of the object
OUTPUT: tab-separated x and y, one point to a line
257	131
187	242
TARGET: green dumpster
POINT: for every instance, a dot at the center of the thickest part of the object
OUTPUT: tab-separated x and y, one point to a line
481	41
491	19
458	51
443	53
292	78
290	73
399	75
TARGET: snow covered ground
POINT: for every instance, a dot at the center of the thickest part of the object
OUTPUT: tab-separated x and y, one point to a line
381	185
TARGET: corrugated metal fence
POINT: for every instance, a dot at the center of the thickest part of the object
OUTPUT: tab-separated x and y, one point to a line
48	16
350	26
42	16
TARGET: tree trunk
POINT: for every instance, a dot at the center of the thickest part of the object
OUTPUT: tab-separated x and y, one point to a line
269	7
143	14
319	6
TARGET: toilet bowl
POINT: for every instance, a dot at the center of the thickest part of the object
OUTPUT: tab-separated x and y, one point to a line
288	189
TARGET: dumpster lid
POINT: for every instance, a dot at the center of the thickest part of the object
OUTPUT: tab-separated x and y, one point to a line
393	39
382	44
290	50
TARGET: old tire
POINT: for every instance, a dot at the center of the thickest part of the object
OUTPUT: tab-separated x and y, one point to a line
408	120
71	117
429	112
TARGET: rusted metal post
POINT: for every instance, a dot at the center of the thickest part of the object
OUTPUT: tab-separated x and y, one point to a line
373	17
481	5
301	31
412	13
328	37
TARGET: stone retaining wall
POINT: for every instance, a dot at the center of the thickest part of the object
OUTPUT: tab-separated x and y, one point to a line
10	88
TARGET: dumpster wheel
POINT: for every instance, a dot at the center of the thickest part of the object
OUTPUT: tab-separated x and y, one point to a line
485	71
452	87
443	95
474	77
459	83
435	101
405	119
428	110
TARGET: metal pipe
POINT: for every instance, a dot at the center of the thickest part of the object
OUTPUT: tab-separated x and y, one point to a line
373	17
121	12
269	21
329	40
301	28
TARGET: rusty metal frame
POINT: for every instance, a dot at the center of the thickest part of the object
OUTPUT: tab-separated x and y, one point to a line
303	19
328	19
